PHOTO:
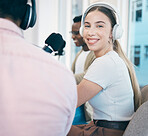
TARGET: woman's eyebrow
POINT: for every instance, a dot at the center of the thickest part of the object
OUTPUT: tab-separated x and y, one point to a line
100	22
95	22
86	23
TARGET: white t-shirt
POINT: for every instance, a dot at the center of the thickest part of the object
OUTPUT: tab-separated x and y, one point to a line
79	67
115	101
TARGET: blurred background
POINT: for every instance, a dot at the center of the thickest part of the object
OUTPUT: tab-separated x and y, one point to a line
56	16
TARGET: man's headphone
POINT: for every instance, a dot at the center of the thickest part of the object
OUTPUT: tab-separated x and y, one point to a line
117	29
30	16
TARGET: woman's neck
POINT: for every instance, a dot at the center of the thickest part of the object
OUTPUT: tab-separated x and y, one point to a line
103	52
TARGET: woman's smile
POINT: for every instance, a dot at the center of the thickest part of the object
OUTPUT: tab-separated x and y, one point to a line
92	41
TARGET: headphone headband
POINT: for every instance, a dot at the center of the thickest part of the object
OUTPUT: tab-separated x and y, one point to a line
117	30
101	4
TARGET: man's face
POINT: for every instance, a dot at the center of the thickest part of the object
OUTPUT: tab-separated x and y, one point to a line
77	38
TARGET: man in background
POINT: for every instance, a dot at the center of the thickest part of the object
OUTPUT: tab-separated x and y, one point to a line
82	61
38	95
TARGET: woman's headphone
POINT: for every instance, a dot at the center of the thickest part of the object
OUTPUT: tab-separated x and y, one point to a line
117	29
30	16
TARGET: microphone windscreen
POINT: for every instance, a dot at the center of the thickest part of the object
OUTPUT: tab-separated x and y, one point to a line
50	38
55	41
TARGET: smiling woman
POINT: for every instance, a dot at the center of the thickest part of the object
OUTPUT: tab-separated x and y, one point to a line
98	31
110	84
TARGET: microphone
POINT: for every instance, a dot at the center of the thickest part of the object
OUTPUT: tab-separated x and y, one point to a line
55	43
47	49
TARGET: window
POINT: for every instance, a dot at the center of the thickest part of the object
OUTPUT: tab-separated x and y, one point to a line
76	11
137	55
136	10
139	4
146	52
138	39
147	5
139	15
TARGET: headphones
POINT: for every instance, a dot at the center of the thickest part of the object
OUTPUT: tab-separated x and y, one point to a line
117	29
30	16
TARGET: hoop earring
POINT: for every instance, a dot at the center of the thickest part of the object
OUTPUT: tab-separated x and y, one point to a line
110	40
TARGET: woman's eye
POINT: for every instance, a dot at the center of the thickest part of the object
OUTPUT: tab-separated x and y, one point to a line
99	26
86	26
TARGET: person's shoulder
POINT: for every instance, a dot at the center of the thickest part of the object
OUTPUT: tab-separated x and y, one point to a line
106	61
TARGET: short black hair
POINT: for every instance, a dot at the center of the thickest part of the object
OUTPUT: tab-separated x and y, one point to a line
77	19
14	9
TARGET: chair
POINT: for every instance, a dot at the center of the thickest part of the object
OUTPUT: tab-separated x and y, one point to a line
138	126
144	93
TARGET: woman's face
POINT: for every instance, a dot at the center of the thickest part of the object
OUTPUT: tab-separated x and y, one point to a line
97	33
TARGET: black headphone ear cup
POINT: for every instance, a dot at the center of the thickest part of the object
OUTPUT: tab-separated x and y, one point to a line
33	18
30	16
25	21
33	14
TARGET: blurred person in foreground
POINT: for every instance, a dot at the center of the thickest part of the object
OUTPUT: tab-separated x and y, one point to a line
82	61
38	94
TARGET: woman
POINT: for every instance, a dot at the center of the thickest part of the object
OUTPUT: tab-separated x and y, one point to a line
110	84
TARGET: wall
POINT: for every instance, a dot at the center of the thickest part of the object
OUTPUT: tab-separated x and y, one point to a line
47	22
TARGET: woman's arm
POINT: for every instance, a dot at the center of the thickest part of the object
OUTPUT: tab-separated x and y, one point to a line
86	90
